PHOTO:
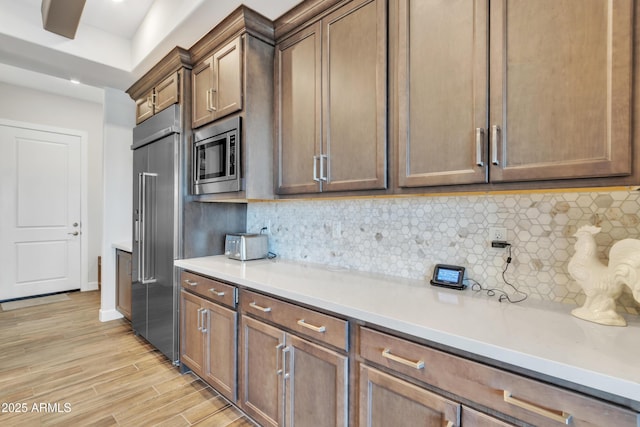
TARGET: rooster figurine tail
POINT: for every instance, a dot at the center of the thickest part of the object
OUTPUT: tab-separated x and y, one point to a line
624	263
603	284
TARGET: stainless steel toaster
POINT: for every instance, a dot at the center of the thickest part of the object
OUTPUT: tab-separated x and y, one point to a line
246	246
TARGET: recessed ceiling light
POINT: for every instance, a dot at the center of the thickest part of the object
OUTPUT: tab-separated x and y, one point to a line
117	1
75	81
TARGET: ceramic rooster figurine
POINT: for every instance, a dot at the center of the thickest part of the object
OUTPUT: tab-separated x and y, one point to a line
601	283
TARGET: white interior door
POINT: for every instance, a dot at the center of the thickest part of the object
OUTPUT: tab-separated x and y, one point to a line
40	211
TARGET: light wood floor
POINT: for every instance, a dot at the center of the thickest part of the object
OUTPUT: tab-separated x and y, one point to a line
97	374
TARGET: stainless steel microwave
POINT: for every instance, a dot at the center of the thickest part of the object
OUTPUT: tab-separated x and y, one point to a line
216	158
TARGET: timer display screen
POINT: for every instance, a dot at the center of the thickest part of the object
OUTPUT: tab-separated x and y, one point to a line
450	276
446	275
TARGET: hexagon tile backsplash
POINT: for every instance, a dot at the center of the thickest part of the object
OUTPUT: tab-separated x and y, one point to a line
406	237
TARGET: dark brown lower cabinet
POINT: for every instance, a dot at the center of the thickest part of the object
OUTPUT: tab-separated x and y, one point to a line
389	401
191	336
288	365
287	380
123	282
261	387
386	399
208	342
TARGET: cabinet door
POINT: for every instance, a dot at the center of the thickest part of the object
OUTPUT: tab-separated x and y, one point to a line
298	105
355	96
227	79
202	87
123	283
316	385
221	345
261	381
560	88
442	92
144	107
389	401
167	92
191	336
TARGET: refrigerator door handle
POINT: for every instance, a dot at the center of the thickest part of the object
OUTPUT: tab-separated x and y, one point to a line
136	231
146	208
139	226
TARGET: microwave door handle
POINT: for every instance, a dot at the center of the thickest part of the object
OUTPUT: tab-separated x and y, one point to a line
198	148
196	163
227	166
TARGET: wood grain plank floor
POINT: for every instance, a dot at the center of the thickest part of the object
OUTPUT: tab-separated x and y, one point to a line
61	366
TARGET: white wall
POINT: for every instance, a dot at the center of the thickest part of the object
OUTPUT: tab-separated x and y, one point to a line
119	114
32	106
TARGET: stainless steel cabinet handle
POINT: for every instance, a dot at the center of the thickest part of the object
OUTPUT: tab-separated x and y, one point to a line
285	354
319	329
315	169
323	175
200	319
386	353
257	307
190	283
564	418
479	145
75	233
149	102
209	100
285	377
213	107
278	351
216	293
205	312
495	134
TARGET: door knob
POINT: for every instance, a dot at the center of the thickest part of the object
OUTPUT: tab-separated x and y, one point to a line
75	233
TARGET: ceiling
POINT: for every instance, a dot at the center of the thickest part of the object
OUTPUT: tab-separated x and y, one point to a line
115	44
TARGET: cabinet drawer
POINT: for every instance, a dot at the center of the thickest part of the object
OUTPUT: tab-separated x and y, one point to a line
474	418
209	288
319	326
528	400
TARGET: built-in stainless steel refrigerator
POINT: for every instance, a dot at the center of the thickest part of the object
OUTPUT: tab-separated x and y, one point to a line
157	229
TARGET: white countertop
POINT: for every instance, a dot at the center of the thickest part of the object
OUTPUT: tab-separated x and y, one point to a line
124	246
541	337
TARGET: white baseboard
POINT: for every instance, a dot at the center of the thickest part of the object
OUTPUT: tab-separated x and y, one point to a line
91	286
108	315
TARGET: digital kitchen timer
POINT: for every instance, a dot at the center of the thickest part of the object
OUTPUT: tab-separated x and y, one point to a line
449	276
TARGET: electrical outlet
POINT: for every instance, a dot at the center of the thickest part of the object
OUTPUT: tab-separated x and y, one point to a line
497	233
